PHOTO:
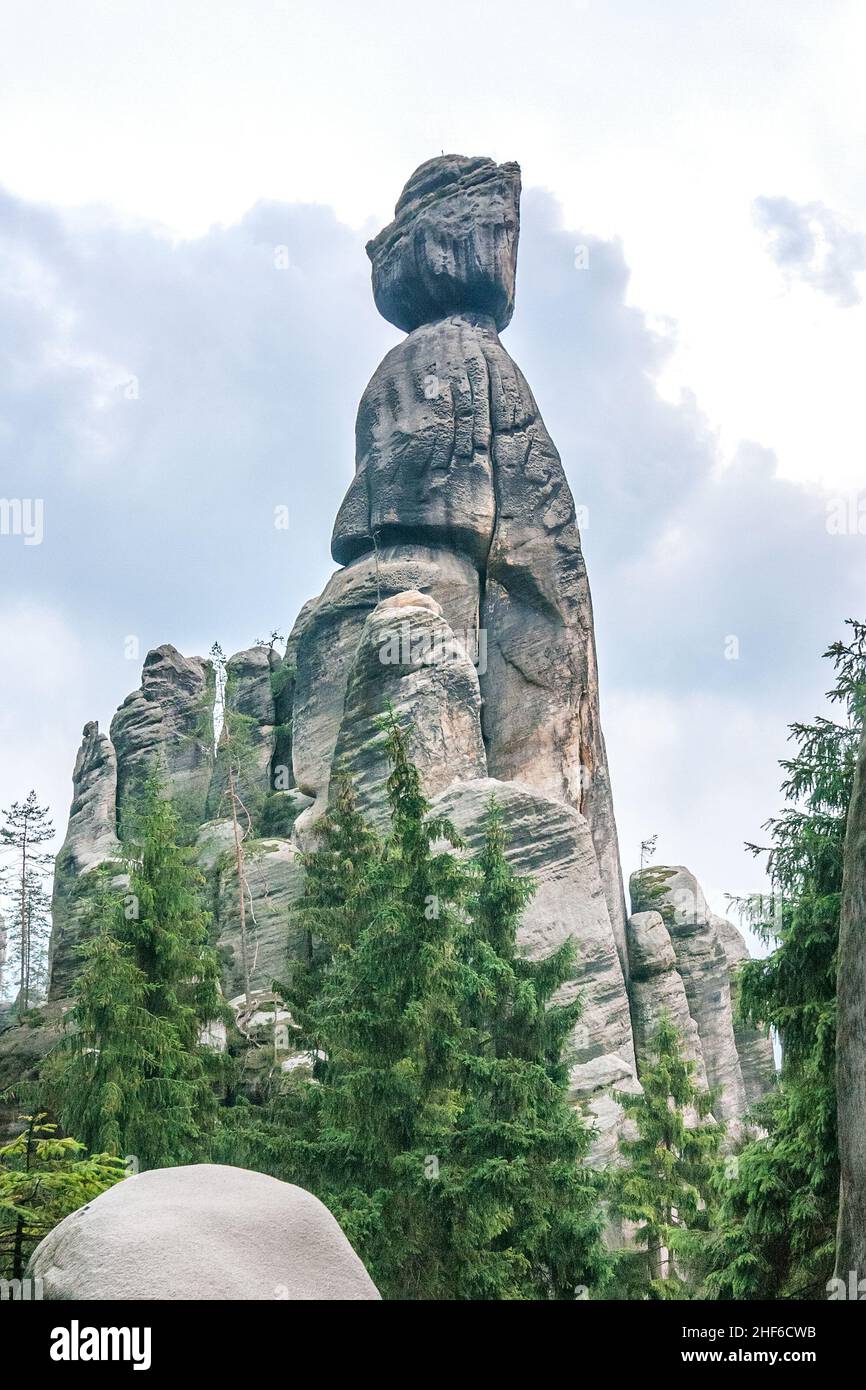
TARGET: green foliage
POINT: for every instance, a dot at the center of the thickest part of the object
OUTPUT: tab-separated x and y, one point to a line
648	890
776	1229
42	1179
133	1077
24	902
439	1132
666	1186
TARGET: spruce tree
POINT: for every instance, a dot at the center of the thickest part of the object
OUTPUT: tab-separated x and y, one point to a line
43	1178
439	1131
135	1078
666	1185
27	826
775	1233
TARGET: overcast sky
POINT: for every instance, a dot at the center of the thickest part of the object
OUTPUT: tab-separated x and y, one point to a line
187	326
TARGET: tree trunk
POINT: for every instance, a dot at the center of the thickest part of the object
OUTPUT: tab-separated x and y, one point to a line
22	910
851	1038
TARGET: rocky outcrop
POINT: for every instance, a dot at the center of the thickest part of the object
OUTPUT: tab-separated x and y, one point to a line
410	662
274	879
166	728
452	245
461	602
451	451
91	840
656	989
202	1232
851	1038
550	843
327	634
700	942
754	1048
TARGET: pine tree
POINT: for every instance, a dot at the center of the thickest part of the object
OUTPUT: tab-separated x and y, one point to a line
775	1234
42	1179
666	1185
135	1078
27	827
439	1131
523	1213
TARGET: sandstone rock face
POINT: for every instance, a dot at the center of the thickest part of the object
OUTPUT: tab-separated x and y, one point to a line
656	988
451	451
327	634
551	843
462	602
702	963
452	245
409	660
274	882
851	1037
166	726
754	1048
200	1232
91	840
249	694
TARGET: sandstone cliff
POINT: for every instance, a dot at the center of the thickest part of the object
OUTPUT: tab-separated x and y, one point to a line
462	602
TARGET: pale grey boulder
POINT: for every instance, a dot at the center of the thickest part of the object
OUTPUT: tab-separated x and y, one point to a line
325	641
851	1037
754	1046
409	661
202	1232
275	879
551	843
656	989
166	727
91	840
703	966
452	245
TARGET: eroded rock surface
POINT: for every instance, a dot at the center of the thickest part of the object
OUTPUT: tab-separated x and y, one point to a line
166	727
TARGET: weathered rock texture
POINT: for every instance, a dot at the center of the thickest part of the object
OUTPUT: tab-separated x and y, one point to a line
166	727
851	1038
656	988
452	452
679	953
461	602
754	1048
91	840
201	1232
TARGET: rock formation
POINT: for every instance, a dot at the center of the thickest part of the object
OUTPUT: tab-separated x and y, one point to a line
206	1231
461	602
684	961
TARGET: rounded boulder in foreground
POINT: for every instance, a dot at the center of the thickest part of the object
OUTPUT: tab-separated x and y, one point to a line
201	1232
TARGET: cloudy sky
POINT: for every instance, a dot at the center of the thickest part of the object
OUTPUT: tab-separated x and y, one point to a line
187	326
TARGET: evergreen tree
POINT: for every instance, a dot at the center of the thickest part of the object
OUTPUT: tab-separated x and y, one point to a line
42	1179
666	1186
439	1131
135	1078
27	826
522	1212
775	1234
